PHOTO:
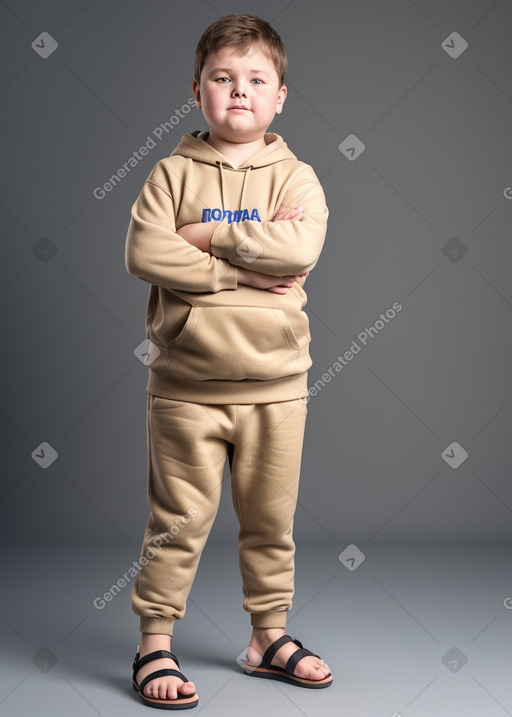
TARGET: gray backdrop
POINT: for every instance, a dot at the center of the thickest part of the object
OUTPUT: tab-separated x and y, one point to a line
408	127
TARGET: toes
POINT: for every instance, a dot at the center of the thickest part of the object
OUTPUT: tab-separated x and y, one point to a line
313	671
168	692
165	688
323	669
163	691
188	688
155	689
151	690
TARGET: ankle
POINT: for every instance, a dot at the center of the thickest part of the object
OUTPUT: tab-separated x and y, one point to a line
150	642
266	635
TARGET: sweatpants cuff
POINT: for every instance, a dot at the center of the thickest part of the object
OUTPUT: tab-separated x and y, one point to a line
269	619
156	625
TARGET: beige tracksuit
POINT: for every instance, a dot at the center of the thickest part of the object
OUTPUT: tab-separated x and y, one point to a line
227	368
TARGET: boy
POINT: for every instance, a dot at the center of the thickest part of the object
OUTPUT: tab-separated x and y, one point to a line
226	230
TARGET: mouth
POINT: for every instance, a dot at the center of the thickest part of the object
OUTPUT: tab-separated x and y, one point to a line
239	107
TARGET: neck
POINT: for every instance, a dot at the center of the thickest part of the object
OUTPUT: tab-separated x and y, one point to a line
236	153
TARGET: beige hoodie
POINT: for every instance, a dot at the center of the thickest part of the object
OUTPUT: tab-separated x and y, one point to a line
211	340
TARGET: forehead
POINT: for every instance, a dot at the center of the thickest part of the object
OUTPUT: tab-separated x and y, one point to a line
232	58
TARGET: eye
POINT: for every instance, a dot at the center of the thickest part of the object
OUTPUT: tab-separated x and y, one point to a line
221	79
258	81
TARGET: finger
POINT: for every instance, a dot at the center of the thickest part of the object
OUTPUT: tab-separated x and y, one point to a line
288	213
279	289
283	216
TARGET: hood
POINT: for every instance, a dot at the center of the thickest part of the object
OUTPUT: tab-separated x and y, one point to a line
194	146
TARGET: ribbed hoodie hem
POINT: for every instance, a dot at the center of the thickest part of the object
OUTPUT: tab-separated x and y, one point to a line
287	388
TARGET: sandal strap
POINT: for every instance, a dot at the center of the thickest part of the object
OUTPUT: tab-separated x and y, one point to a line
161	673
274	647
150	657
296	657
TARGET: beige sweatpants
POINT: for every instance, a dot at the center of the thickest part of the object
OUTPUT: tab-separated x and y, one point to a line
187	448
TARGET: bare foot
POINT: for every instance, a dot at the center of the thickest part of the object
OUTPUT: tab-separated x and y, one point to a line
161	687
310	668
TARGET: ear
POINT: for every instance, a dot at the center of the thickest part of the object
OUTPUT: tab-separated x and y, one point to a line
281	96
197	93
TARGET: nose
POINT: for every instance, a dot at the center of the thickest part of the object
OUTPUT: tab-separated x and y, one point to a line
239	91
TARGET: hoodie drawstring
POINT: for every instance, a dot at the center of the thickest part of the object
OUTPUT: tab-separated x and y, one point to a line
242	195
221	185
246	174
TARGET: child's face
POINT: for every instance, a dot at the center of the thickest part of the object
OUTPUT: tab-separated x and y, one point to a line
229	80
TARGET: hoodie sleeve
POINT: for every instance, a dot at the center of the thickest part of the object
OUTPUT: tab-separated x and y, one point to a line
283	247
155	253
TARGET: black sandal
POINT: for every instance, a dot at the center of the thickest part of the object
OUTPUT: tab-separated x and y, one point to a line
182	702
271	672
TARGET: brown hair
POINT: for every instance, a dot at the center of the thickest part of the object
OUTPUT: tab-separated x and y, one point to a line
241	31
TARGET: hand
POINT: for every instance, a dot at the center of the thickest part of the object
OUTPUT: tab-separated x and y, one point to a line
199	234
296	212
275	284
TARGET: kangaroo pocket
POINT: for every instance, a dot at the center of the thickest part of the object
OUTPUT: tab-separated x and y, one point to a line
239	342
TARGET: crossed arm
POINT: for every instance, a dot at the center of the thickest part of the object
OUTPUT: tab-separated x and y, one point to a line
199	234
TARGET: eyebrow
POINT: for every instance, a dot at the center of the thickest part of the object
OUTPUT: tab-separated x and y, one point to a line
226	69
